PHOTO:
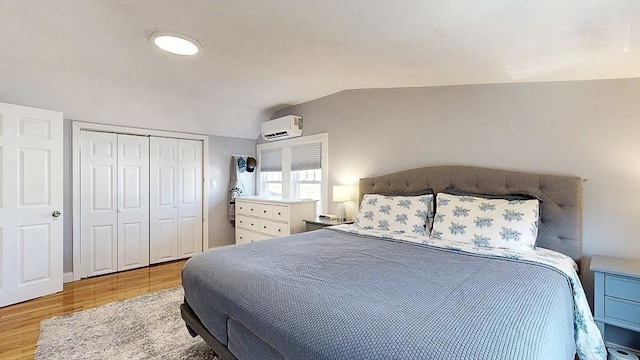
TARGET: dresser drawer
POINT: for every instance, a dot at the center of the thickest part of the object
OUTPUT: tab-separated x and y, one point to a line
627	311
622	287
248	223
245	236
274	228
266	211
280	213
246	208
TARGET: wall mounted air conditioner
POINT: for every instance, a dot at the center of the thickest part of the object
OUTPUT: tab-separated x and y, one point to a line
282	128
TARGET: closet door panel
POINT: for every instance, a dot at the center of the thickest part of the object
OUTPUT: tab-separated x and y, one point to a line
99	216
167	240
189	197
164	199
133	201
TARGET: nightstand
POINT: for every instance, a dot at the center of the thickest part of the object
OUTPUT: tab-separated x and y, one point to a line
319	223
617	299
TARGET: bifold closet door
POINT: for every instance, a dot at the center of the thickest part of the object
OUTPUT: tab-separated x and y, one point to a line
133	201
190	182
163	187
114	202
176	198
99	203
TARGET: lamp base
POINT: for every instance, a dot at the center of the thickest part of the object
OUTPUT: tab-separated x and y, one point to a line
342	214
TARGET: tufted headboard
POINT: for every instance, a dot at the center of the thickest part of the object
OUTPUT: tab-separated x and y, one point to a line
560	226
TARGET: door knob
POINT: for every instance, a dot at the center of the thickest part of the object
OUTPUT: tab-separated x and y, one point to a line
56	213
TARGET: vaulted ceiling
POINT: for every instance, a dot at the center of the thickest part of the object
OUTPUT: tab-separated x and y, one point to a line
93	59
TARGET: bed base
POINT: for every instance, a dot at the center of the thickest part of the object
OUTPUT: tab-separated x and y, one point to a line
194	324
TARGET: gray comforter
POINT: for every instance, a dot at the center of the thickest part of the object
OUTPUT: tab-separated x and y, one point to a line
332	295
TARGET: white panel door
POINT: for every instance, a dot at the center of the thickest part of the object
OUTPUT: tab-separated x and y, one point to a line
190	183
133	201
163	190
30	203
98	202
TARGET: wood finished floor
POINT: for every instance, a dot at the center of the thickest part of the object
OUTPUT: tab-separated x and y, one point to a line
20	323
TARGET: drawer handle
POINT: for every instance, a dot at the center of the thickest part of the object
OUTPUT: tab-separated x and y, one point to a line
251	224
241	238
279	214
265	226
279	230
264	211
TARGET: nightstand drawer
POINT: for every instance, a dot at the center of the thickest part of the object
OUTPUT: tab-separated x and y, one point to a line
621	287
312	226
622	310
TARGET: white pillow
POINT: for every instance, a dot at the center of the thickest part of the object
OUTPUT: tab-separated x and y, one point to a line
497	223
398	214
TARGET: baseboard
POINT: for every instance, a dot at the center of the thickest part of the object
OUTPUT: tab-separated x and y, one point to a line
67	277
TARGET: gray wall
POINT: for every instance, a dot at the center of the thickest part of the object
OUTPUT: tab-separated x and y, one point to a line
589	129
220	150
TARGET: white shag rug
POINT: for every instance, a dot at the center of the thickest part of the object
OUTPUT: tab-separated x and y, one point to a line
144	327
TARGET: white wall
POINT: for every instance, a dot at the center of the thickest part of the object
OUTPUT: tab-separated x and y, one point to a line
589	129
220	150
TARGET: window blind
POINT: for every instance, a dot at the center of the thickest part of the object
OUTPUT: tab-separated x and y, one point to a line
271	160
306	157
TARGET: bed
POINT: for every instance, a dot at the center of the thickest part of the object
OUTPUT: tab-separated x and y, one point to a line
351	292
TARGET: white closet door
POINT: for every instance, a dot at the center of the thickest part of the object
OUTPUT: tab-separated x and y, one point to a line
163	184
189	197
133	201
30	203
99	216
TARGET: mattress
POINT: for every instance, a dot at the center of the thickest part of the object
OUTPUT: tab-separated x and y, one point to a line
331	294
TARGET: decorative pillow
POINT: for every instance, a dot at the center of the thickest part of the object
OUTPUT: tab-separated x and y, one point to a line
498	223
398	214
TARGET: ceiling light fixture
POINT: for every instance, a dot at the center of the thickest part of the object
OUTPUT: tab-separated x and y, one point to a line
175	43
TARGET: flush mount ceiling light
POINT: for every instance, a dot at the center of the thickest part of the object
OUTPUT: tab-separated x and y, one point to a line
175	43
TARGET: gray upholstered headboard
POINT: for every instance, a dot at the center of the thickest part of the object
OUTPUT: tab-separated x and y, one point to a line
561	219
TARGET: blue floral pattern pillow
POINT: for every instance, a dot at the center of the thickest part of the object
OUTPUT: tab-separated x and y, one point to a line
497	223
397	214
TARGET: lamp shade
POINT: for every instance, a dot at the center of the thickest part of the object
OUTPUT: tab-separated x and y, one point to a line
342	193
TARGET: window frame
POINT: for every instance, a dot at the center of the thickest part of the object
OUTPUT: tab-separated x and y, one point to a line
288	184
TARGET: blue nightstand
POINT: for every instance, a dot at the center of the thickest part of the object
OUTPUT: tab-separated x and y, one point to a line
617	299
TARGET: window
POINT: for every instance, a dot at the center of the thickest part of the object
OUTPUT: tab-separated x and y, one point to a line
295	168
307	184
271	183
270	164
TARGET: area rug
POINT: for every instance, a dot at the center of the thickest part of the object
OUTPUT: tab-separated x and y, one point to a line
145	327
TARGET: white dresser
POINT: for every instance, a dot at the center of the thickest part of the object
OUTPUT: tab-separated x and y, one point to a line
259	218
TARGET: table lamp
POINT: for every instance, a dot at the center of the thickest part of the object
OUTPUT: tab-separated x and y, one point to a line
342	193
